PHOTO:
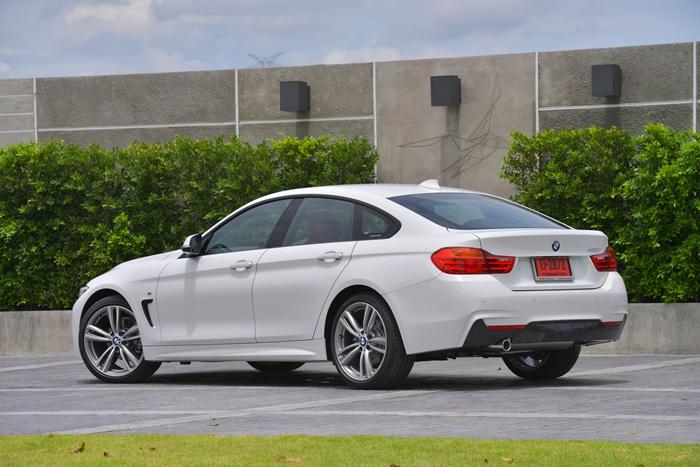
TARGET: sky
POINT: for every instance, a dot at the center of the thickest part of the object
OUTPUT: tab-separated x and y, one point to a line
88	37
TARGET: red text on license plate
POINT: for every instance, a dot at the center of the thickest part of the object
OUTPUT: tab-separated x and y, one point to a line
552	268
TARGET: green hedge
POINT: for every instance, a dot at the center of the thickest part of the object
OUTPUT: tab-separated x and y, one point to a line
642	191
69	213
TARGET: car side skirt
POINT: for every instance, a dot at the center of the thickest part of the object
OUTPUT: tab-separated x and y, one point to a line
293	351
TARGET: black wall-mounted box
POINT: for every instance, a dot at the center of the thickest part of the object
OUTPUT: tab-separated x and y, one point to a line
295	96
606	80
445	91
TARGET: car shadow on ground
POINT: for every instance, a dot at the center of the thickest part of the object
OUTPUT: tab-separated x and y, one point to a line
309	379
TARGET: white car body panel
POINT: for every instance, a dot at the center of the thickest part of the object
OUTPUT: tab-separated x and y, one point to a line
134	280
205	300
577	245
291	288
438	314
277	309
295	351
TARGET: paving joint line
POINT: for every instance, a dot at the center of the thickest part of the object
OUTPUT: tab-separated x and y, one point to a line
288	407
628	368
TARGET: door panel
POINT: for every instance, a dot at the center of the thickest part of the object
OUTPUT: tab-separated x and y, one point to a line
207	300
291	287
294	280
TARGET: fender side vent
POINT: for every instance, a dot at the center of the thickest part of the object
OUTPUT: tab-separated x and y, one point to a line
144	305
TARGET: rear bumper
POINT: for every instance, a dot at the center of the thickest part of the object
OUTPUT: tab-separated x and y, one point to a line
439	314
543	335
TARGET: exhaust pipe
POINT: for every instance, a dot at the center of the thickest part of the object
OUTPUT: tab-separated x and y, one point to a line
504	346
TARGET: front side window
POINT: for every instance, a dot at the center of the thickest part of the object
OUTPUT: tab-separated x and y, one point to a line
472	211
249	230
321	220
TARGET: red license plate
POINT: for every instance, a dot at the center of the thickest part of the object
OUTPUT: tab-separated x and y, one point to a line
552	268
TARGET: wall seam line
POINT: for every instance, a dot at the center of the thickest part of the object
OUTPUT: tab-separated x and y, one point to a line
316	119
609	106
205	124
238	130
3	132
36	126
537	92
695	86
374	116
139	127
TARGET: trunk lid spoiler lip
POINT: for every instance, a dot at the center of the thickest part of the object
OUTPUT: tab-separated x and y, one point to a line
539	242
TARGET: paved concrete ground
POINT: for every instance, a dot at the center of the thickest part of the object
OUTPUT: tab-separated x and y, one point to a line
638	398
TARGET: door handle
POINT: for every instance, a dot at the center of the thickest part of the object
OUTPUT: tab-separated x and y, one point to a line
242	265
330	256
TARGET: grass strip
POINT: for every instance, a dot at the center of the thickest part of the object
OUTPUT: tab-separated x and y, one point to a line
386	451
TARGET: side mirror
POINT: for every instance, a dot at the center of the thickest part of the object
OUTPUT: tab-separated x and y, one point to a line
192	245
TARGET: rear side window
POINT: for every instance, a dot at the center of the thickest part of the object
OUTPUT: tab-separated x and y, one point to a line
321	220
374	224
471	211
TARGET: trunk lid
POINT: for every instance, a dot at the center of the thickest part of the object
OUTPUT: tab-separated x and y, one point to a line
526	244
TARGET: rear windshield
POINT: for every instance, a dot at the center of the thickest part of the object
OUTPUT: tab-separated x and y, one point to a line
471	211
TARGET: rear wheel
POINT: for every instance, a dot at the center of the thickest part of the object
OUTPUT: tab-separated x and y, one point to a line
110	343
275	367
545	365
366	346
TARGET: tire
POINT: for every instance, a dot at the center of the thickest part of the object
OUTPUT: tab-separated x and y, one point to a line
540	366
380	332
276	367
113	361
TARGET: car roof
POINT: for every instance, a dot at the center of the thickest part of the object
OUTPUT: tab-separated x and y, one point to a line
373	193
382	190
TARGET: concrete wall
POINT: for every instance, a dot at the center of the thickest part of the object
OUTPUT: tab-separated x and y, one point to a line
657	86
652	328
115	110
460	146
387	102
35	332
16	111
657	328
341	102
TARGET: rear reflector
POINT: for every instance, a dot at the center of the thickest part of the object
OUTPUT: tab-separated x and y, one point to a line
506	327
606	261
462	260
610	324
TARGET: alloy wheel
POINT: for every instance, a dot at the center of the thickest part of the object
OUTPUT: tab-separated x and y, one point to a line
112	341
360	341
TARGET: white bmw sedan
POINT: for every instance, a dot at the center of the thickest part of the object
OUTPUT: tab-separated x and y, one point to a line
371	277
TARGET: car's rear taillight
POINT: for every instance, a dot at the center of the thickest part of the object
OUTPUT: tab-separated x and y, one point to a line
462	260
606	261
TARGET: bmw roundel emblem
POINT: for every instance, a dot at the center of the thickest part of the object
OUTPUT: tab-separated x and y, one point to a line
555	245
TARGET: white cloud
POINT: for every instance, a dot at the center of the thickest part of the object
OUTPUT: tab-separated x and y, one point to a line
367	53
133	17
4	68
76	37
157	59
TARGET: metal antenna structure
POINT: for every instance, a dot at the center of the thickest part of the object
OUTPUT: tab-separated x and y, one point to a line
265	62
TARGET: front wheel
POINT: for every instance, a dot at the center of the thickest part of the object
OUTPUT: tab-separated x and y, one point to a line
110	343
366	346
545	365
275	367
